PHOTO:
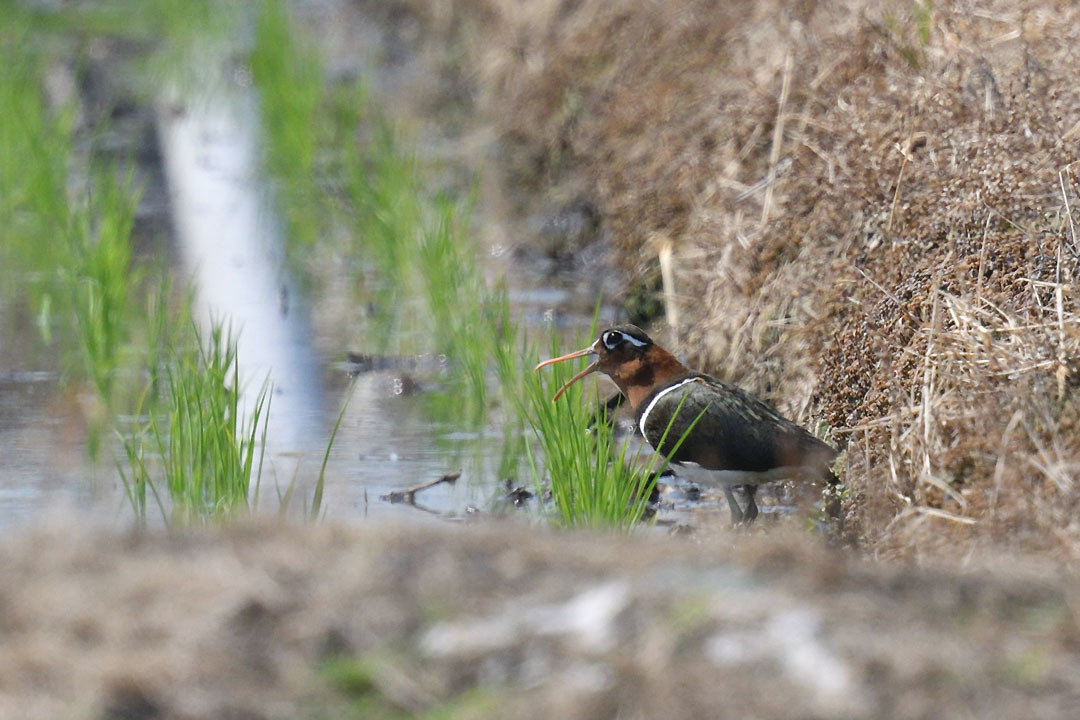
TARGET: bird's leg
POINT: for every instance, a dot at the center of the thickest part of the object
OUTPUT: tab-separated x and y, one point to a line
736	511
751	511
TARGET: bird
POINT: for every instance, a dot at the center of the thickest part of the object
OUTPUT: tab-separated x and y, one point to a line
736	438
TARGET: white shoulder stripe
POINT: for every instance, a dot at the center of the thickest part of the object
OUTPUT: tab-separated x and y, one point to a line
649	407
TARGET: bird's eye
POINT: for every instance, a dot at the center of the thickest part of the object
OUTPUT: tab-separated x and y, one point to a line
612	339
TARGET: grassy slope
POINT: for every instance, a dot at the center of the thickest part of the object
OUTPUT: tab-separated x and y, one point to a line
906	279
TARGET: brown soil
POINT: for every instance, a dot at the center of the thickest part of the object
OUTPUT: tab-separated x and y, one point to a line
870	196
270	621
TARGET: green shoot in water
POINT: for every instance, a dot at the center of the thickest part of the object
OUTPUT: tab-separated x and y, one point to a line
595	482
198	433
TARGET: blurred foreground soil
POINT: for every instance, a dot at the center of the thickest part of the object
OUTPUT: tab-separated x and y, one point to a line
500	620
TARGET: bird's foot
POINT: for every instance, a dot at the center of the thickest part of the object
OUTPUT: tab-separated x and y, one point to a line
737	515
741	518
751	511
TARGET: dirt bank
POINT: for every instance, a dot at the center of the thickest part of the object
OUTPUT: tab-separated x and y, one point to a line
499	620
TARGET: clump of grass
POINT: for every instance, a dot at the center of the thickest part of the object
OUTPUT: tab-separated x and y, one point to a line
595	480
33	173
205	443
420	275
384	215
465	316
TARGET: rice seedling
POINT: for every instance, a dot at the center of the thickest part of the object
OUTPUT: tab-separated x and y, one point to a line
465	317
98	274
72	249
198	433
288	76
595	480
317	495
385	217
33	174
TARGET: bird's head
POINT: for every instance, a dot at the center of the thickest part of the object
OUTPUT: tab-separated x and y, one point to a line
623	352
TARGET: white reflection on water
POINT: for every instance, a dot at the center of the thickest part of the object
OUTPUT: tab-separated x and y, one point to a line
231	244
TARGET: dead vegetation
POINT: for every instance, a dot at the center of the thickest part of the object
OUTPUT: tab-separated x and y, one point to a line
877	201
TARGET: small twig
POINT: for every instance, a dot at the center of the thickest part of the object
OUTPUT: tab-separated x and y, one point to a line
778	134
896	196
915	141
1006	218
929	377
409	495
666	256
1068	210
982	256
999	464
934	512
766	181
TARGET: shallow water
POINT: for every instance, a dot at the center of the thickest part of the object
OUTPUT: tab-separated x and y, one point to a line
227	236
227	239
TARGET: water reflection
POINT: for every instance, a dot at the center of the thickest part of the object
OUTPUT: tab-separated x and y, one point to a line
230	240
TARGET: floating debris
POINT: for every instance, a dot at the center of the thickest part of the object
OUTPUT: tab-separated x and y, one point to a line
519	495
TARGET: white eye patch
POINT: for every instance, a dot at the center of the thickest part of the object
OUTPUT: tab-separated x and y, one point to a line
614	338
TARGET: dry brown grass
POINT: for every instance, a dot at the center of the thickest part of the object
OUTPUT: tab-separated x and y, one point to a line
877	203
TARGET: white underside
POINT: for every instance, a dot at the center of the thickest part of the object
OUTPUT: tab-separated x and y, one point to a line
731	478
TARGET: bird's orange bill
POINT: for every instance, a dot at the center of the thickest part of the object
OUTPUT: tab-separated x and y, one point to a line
570	356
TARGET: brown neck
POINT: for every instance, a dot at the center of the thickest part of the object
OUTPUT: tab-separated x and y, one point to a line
639	377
